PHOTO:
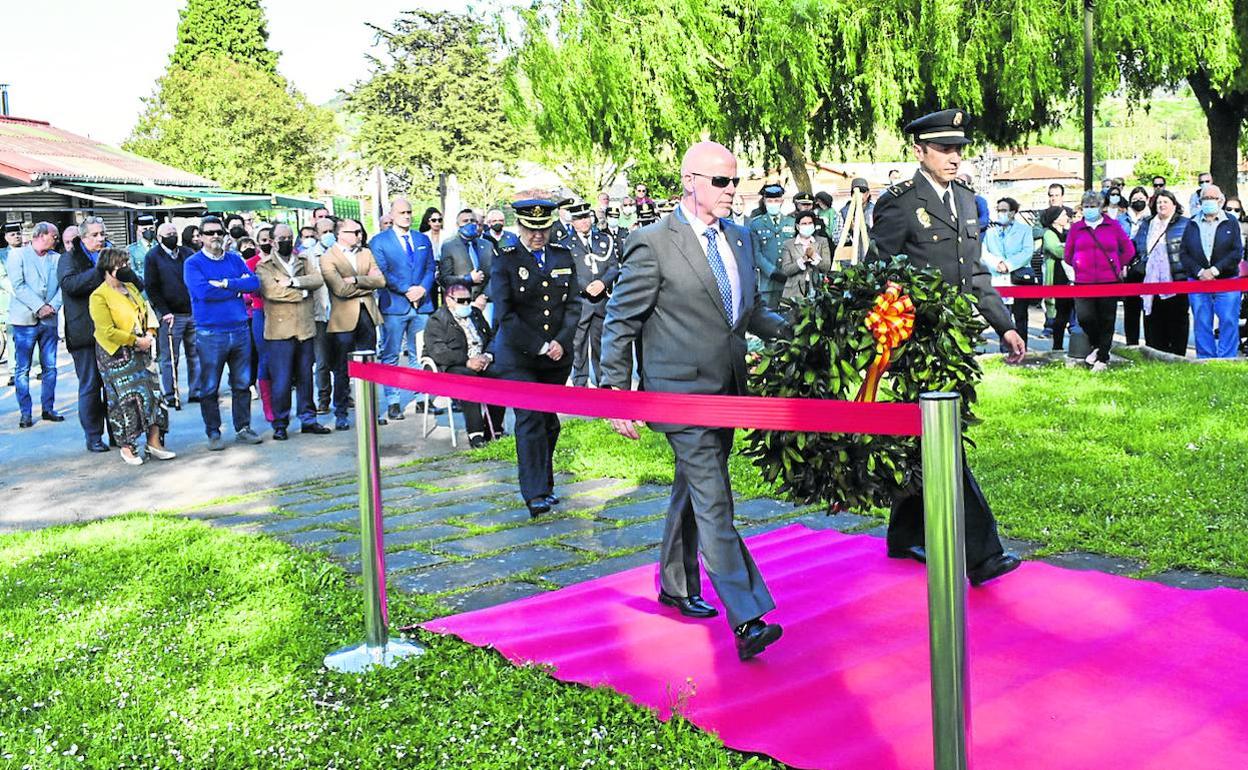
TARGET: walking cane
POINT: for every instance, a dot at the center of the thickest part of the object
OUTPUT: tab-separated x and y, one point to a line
173	360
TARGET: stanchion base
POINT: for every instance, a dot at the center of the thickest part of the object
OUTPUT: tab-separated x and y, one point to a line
361	657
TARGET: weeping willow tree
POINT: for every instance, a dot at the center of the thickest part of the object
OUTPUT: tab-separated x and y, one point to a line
795	78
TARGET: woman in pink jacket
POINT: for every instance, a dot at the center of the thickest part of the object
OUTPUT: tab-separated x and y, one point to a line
1099	250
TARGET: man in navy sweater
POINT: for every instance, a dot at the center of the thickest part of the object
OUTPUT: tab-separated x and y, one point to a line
217	280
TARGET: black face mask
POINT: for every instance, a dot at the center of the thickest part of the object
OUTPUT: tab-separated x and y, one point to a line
284	248
249	252
237	231
267	248
1138	205
169	242
148	235
497	227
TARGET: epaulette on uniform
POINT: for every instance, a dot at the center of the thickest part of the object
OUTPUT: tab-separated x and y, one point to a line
901	188
508	245
963	184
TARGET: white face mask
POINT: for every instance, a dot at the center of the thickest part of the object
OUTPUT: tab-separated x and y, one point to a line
805	230
773	209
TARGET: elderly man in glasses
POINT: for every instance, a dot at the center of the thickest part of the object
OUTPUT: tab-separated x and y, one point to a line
457	338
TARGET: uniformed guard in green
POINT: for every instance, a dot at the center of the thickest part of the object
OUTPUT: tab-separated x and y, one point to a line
769	232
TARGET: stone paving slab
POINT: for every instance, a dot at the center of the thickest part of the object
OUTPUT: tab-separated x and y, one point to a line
602	567
248	507
470	508
478	478
510	538
607	540
762	509
421	535
408	560
316	506
244	520
314	537
472	573
1198	580
394	522
639	510
490	596
504	517
420	499
1096	562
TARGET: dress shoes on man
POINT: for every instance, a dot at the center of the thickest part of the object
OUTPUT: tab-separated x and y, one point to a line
342	423
25	421
993	567
315	428
97	446
689	606
280	434
419	408
395	412
538	506
754	637
916	552
476	442
52	417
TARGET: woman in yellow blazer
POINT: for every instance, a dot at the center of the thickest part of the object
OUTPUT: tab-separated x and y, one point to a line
125	344
352	275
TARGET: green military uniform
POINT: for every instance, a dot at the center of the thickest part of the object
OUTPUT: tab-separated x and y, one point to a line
768	235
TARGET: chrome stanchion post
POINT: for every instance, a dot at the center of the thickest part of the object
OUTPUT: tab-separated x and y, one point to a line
946	577
378	648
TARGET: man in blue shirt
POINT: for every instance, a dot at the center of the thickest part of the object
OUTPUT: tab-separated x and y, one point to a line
217	279
144	242
1211	250
406	260
1008	245
33	313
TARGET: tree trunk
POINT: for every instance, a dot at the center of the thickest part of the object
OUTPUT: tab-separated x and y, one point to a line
1224	115
796	158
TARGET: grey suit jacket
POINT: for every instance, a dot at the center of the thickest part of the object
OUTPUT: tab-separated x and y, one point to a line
457	264
668	299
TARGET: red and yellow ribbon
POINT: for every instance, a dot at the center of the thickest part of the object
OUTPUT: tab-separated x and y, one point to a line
891	322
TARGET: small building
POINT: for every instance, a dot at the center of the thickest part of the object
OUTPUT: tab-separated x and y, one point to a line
1028	183
49	174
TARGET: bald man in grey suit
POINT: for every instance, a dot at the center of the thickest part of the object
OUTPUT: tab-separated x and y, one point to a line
688	292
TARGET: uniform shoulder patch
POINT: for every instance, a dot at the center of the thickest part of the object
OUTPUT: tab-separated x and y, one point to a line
963	184
901	188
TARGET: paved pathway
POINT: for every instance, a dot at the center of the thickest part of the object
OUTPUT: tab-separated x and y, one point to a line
457	531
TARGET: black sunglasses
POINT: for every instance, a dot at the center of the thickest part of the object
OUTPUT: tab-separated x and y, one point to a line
353	232
211	233
719	181
435	219
458	300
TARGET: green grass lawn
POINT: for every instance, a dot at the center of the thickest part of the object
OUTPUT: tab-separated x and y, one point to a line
149	641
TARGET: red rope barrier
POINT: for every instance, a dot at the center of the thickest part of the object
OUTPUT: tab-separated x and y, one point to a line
1087	290
809	415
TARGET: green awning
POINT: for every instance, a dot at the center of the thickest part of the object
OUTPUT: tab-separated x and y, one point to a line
222	199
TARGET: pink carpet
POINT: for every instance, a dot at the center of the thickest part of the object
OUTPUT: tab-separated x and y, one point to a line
1069	670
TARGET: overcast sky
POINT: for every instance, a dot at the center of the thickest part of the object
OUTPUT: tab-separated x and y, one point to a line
84	65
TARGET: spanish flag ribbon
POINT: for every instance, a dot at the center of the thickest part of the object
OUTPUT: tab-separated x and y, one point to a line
891	322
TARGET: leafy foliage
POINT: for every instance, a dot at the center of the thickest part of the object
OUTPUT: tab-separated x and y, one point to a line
1153	164
234	28
827	357
236	124
430	107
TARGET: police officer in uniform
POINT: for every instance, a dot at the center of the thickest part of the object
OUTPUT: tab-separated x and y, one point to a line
597	267
769	231
614	229
932	219
537	305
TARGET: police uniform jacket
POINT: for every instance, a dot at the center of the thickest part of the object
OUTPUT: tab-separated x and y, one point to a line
596	261
533	305
911	219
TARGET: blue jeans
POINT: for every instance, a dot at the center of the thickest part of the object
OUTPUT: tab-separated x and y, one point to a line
25	338
1224	305
290	362
400	332
216	349
170	351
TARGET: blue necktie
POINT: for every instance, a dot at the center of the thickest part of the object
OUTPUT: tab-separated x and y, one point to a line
717	267
472	252
407	246
540	256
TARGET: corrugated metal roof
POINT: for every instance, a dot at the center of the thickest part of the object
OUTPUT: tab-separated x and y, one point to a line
33	150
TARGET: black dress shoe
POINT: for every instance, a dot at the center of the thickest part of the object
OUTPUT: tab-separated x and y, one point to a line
342	423
434	410
689	606
553	499
280	434
193	400
316	428
754	637
25	422
322	408
52	417
97	446
916	552
994	567
538	506
395	412
476	442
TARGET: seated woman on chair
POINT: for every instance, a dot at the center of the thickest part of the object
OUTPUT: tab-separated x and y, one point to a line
456	338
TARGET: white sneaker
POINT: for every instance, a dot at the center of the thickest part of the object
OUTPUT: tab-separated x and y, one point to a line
1100	366
160	453
1091	358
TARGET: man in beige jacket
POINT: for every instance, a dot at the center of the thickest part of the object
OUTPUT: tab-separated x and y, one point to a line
352	275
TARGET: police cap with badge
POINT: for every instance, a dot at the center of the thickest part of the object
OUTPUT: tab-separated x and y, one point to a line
944	127
12	227
580	210
772	191
535	213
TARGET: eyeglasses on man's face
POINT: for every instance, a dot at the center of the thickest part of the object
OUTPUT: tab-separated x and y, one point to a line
458	300
211	233
718	181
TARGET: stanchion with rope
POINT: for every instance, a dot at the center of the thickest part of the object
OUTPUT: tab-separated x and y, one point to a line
378	647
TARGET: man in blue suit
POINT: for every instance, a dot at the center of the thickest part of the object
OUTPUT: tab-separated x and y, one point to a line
1211	250
406	260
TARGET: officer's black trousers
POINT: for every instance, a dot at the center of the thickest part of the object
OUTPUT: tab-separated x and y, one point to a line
537	433
905	524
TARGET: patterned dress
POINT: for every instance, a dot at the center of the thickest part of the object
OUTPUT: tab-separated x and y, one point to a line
132	386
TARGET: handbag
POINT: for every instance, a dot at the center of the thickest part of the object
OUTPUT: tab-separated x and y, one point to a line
1138	266
1024	276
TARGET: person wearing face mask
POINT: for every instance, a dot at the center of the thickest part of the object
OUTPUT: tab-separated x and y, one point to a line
1008	246
255	315
563	226
458	339
597	267
806	258
1132	218
1056	223
288	282
615	229
323	363
144	242
166	290
1158	243
1203	180
1114	204
1100	252
829	220
468	257
236	230
628	213
495	228
769	232
125	342
353	277
1211	251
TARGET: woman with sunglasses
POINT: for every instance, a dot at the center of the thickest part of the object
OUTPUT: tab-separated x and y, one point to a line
431	226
